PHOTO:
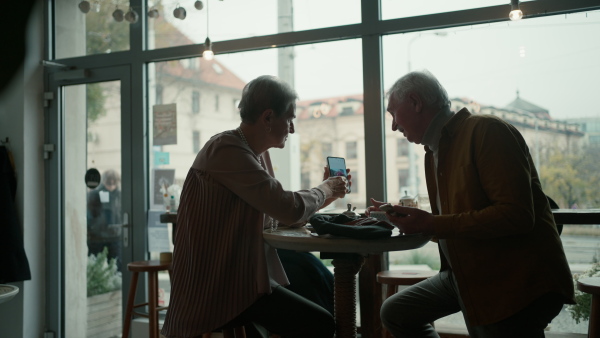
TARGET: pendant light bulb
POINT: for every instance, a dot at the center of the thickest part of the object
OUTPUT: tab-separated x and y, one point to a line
131	16
84	6
180	13
208	53
118	15
515	13
153	13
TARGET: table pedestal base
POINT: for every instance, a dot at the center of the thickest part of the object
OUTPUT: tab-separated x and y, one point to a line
346	266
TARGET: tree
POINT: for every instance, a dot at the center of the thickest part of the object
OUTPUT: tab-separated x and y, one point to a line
104	34
572	179
95	102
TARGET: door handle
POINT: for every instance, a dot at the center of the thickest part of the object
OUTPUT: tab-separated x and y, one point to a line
125	227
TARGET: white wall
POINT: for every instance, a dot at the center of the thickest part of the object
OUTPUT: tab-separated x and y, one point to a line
22	121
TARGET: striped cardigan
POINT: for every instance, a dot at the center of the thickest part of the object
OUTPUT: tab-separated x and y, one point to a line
221	264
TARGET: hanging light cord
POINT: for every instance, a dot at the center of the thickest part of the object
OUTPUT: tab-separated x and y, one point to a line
207	16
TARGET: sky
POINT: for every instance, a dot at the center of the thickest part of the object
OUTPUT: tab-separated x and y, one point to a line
553	62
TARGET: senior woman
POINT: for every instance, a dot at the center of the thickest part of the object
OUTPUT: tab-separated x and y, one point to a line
223	271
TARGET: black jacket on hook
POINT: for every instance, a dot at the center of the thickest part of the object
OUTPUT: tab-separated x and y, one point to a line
14	266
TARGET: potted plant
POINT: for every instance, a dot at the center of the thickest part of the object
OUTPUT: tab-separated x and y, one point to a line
102	274
104	296
581	310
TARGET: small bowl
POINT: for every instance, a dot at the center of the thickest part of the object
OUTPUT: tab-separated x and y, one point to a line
7	292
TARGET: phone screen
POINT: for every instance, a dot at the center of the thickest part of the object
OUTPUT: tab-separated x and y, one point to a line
337	167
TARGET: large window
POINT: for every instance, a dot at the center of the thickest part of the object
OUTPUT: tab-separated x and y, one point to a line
538	73
507	76
392	9
317	136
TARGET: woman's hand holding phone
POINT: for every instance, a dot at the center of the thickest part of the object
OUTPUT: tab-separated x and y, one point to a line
334	187
337	167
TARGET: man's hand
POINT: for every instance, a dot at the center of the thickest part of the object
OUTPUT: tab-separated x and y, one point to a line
375	206
408	220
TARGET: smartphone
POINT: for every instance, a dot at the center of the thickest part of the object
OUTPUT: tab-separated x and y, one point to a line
337	167
386	207
390	209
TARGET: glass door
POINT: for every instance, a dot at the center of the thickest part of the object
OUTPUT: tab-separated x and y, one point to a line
92	176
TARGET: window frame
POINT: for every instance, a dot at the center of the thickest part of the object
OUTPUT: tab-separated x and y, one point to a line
371	29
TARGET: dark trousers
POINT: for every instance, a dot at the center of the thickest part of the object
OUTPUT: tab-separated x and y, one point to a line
287	314
308	277
409	312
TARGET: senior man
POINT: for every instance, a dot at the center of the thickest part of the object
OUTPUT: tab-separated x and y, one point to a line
502	261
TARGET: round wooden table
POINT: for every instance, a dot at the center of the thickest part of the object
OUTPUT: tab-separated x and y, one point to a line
591	285
348	256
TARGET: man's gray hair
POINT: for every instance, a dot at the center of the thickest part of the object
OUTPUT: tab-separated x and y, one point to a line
424	84
266	92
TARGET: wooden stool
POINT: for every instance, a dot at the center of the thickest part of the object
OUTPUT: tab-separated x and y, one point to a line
152	268
591	285
394	278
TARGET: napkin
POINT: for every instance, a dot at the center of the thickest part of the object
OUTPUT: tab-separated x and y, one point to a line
339	226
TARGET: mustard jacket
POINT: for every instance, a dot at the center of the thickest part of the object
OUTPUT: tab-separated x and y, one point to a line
502	239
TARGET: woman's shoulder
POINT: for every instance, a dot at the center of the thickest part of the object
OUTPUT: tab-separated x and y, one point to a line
227	135
224	138
219	145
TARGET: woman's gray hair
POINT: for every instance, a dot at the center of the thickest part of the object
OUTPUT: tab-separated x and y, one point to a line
424	84
111	175
266	92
